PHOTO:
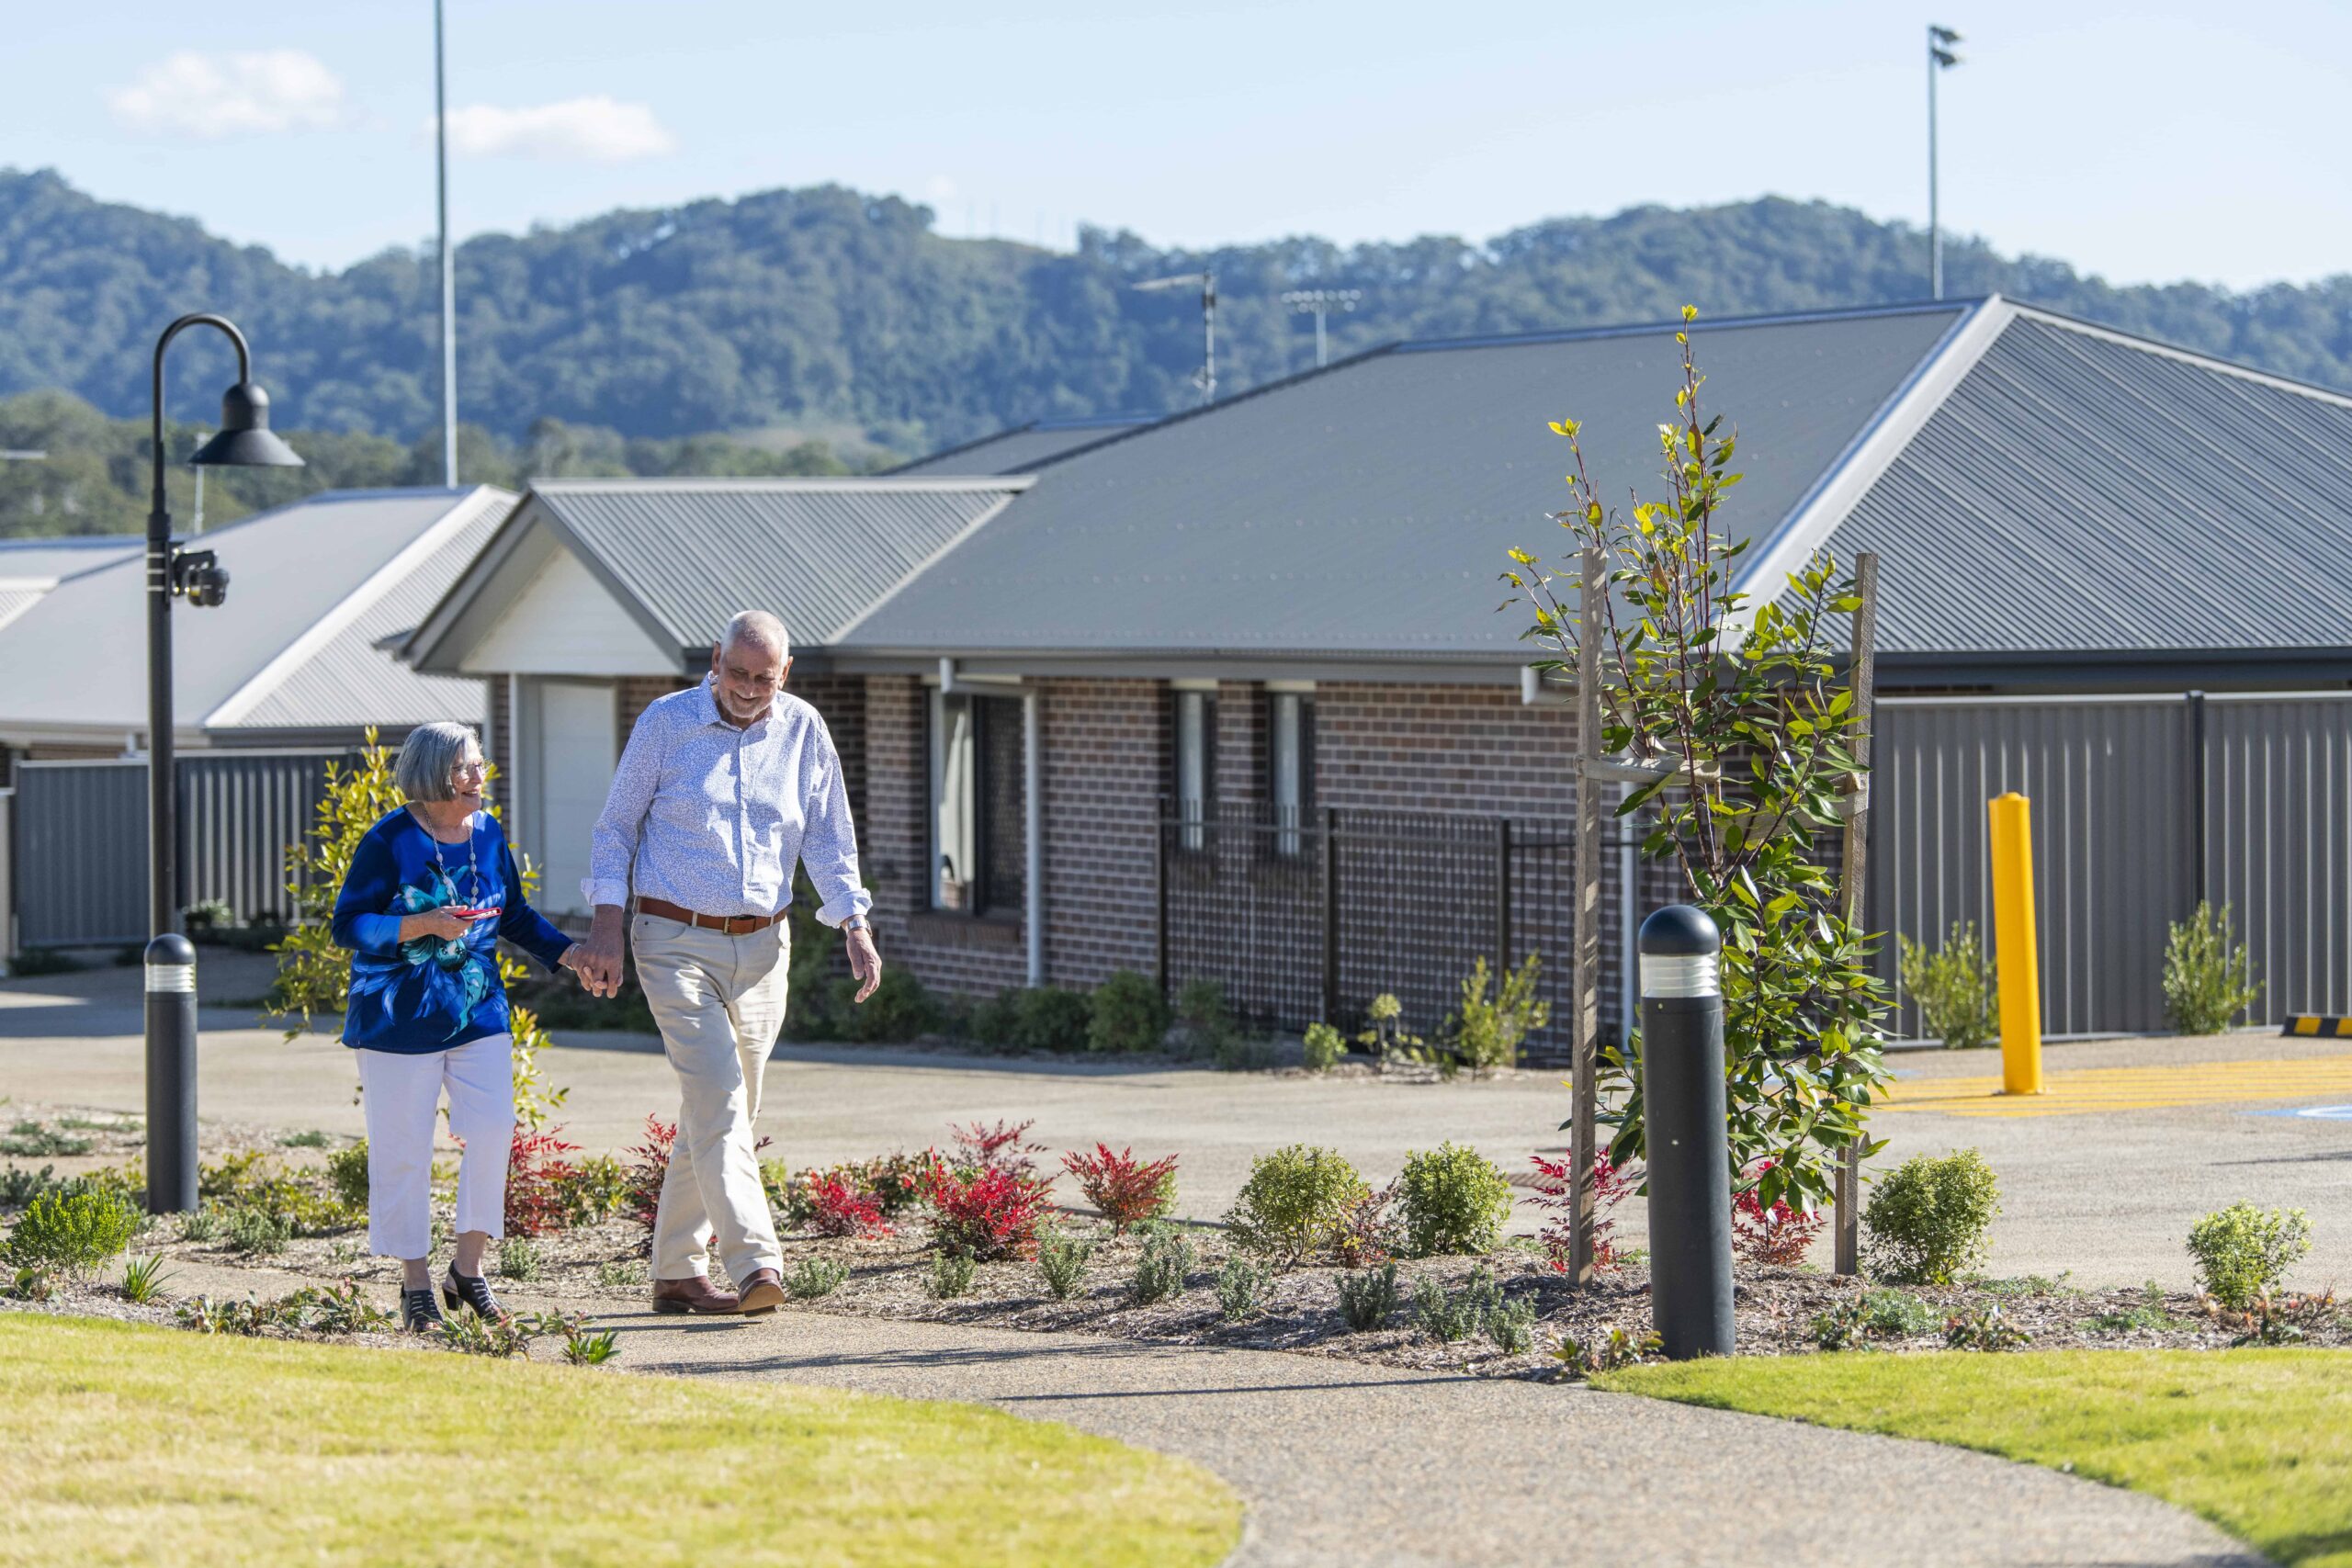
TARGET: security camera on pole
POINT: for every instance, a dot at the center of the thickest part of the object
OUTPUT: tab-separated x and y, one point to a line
244	440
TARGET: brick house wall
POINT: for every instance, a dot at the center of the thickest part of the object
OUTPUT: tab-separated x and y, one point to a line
1464	749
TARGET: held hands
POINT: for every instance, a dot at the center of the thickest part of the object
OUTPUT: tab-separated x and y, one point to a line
597	961
865	963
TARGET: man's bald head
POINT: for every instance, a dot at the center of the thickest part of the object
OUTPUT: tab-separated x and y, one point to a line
756	629
749	664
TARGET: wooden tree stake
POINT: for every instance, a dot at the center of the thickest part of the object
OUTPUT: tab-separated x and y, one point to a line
1586	985
1855	872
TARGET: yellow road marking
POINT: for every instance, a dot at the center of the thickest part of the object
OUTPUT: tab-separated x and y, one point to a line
2090	1090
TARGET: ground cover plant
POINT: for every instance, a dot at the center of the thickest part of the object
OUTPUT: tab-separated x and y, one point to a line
591	1471
2258	1441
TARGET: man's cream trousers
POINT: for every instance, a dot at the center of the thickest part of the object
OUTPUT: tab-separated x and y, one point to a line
720	1001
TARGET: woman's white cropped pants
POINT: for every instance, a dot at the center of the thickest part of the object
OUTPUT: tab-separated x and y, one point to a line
400	1095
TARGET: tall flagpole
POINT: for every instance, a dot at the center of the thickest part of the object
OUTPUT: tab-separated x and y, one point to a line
449	276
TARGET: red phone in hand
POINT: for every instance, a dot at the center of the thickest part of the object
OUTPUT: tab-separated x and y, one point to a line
465	912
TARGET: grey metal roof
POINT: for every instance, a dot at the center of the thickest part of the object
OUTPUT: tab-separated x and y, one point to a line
77	659
362	656
15	601
1364	510
1022	448
689	553
48	559
2079	491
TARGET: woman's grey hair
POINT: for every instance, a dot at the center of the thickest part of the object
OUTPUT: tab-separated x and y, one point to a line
427	768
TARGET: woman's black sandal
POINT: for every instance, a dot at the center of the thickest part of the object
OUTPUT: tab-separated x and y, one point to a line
418	1314
474	1290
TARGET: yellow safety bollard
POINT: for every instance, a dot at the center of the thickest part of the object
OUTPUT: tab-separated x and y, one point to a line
2015	950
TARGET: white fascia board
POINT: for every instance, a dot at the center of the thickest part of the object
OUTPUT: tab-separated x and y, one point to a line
1873	449
407	560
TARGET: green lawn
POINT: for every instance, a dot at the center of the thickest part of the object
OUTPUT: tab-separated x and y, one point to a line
2258	1441
131	1445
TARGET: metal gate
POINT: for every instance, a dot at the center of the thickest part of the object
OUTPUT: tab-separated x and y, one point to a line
79	832
2141	806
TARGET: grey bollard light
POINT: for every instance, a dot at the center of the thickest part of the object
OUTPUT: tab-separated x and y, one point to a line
171	1075
1689	1135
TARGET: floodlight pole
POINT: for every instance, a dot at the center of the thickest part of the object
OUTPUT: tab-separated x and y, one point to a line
1939	59
1320	301
448	277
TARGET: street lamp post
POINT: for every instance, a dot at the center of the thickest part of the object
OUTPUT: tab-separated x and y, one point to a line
1940	59
244	440
1205	378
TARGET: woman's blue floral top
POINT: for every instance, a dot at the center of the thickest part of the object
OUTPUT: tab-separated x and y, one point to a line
429	995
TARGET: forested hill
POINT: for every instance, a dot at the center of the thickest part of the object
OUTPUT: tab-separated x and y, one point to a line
824	310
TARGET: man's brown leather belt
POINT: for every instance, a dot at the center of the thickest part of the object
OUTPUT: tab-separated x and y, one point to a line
733	925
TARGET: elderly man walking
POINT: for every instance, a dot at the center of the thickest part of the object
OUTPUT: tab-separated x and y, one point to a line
720	789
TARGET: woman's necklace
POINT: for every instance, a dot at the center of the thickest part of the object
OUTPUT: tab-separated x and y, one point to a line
473	867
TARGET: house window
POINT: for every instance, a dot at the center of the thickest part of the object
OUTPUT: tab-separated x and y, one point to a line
1290	765
1194	754
977	802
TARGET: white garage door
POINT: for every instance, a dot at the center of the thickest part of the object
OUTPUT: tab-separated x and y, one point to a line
577	750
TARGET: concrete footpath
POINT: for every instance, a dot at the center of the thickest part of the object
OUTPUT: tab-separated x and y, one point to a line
1343	1462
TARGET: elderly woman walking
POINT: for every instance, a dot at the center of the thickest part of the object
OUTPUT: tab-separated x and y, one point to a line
432	886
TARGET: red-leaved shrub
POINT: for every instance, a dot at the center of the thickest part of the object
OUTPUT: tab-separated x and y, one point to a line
1779	1235
835	1207
536	1173
994	1213
1369	1232
996	1148
1126	1189
649	1163
1555	1191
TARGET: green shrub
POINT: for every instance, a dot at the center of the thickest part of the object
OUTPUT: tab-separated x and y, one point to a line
816	1277
595	1188
1167	1260
1512	1327
996	1020
34	962
1984	1328
1955	988
1047	1017
2243	1253
1324	1047
1454	1200
347	1176
1385	1037
1241	1288
259	1232
1295	1201
1062	1258
1927	1218
2207	980
208	914
1368	1298
951	1273
142	1278
34	1140
19	1186
1486	1034
72	1231
520	1259
1129	1015
201	1225
1444	1318
311	1138
1205	1019
900	1009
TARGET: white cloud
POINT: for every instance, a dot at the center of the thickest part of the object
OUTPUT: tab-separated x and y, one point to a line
213	96
598	130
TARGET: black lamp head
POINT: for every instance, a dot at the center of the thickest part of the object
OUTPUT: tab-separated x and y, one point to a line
245	439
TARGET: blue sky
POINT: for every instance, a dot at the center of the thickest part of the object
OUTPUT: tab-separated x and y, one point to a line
2153	141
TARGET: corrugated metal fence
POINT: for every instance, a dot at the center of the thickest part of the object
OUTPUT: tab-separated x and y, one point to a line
79	833
2141	805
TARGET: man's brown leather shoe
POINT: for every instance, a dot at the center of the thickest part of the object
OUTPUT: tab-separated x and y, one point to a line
694	1294
762	1293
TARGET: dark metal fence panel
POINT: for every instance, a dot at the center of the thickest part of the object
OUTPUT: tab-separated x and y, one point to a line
81	840
1307	923
2278	809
